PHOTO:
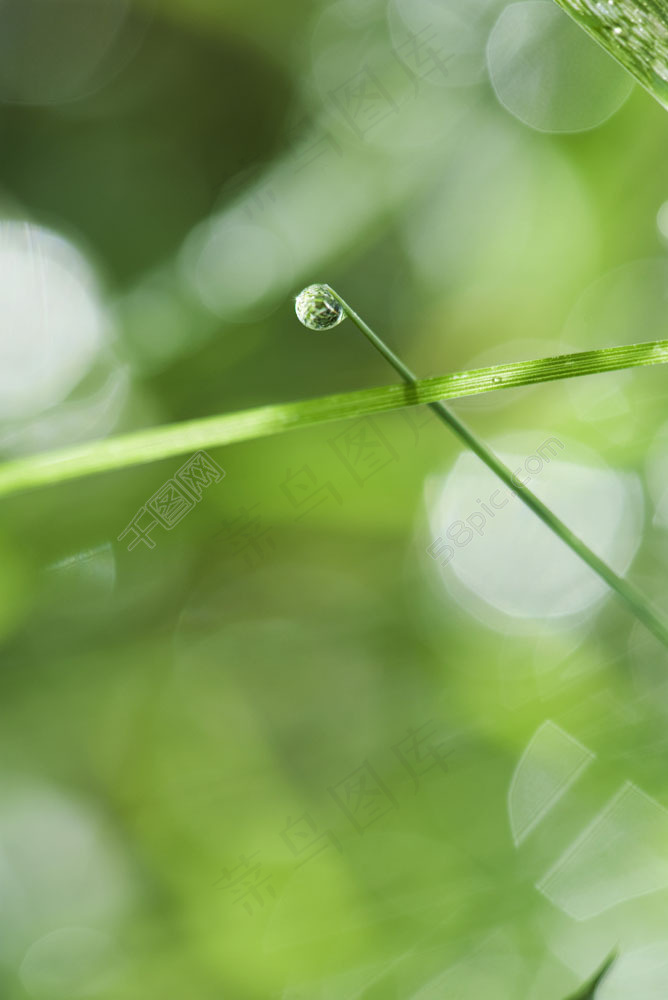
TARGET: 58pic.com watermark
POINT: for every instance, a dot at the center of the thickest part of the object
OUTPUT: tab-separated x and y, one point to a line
459	534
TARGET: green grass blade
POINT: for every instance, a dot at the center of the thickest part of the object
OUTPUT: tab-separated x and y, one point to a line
588	992
635	32
156	443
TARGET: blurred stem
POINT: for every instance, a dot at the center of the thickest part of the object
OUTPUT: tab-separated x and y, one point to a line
632	597
588	992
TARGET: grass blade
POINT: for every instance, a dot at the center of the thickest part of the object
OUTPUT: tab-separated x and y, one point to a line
635	32
156	443
588	992
628	592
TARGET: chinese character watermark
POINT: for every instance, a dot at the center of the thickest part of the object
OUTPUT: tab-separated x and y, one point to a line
363	797
247	884
461	533
173	501
363	449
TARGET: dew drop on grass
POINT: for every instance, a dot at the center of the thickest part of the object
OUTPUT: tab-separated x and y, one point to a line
318	308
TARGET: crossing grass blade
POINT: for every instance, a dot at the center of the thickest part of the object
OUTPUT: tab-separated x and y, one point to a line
141	447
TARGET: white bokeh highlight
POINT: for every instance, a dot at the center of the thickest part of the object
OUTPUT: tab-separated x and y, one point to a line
656	465
551	763
59	866
70	963
428	34
621	855
662	221
547	72
640	972
619	850
53	320
500	562
51	52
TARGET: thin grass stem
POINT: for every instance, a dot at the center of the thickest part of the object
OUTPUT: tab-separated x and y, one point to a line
628	592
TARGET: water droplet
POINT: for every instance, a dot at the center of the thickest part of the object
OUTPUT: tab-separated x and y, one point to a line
497	378
318	308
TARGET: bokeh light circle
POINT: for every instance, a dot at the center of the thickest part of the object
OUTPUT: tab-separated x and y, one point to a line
500	562
548	73
54	323
67	963
51	52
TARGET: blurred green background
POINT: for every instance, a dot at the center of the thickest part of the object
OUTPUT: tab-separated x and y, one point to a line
271	747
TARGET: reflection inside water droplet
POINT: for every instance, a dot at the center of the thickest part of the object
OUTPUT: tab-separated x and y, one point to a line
318	308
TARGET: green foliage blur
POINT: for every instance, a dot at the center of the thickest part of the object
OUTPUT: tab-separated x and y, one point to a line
270	747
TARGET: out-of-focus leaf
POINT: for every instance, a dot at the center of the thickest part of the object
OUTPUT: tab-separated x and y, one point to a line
588	992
